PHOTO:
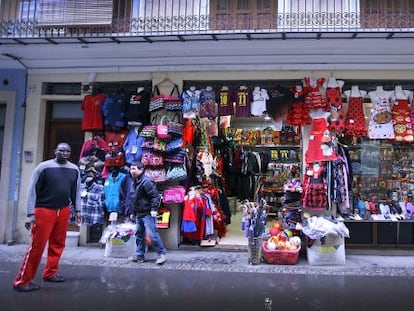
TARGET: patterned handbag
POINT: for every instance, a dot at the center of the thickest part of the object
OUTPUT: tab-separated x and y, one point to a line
152	158
174	144
176	156
176	173
157	174
175	127
169	102
149	131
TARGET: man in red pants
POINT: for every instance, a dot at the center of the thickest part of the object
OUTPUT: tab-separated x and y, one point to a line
53	191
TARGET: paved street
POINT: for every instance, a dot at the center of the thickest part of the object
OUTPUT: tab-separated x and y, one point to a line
211	280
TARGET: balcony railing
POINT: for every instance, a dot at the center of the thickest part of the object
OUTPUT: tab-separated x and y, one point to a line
123	18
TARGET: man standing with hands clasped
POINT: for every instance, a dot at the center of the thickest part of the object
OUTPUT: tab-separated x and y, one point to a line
53	191
145	202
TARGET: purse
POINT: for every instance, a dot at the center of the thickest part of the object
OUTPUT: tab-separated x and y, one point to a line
173	194
176	173
169	102
174	144
162	129
157	174
175	126
149	131
152	158
176	156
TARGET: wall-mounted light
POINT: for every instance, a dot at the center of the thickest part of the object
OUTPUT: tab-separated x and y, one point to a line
28	156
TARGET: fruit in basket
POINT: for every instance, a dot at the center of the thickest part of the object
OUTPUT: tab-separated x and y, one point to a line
271	245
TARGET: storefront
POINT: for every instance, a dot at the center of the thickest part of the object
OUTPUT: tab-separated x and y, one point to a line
270	140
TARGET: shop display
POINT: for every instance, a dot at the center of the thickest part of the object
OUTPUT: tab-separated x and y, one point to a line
357	161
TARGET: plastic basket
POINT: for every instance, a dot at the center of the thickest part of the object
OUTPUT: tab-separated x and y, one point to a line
254	249
280	257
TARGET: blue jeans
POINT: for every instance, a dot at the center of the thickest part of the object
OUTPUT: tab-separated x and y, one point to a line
147	224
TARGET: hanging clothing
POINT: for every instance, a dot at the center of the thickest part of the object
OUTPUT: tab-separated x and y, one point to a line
92	203
258	105
137	108
402	121
113	110
112	189
334	106
92	116
314	98
321	147
133	146
225	103
355	118
380	124
243	101
298	112
315	188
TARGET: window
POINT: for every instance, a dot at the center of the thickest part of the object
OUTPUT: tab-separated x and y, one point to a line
74	12
243	14
387	13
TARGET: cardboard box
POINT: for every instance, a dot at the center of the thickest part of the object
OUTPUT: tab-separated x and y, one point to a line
330	254
120	247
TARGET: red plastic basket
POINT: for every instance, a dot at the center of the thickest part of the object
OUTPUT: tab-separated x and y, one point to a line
280	257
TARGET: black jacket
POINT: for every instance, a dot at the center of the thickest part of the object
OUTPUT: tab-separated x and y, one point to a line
146	197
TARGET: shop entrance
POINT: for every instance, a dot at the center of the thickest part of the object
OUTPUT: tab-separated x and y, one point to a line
63	124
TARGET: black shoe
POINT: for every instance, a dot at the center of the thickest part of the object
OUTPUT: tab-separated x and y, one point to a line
55	279
29	287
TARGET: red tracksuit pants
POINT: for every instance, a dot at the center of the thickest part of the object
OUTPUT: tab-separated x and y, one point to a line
50	226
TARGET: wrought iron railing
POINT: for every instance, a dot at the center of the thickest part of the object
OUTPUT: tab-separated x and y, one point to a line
39	19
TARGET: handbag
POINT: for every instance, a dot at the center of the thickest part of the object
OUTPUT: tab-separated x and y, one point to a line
149	131
162	129
174	144
176	173
157	174
175	127
173	194
152	158
169	102
176	156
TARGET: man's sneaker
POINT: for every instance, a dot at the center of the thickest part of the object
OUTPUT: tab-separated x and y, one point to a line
161	259
137	259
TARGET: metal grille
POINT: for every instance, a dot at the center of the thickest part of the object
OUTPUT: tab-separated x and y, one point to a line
174	17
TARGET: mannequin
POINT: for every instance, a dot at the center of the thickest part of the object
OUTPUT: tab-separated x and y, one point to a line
209	88
140	89
355	92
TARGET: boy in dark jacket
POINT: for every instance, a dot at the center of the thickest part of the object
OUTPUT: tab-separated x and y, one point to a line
145	201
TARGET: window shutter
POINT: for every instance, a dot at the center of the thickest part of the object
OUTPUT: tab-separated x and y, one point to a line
74	12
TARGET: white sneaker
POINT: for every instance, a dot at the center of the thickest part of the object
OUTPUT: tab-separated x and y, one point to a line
161	259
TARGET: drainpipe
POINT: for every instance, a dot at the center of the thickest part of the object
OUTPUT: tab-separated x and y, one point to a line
17	183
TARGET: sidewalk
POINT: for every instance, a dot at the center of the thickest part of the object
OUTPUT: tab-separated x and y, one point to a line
358	262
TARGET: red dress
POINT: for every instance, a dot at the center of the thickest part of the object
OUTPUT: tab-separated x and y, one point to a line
314	98
298	112
337	117
320	146
355	119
